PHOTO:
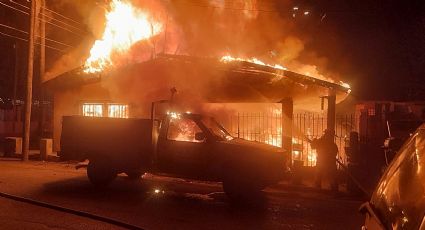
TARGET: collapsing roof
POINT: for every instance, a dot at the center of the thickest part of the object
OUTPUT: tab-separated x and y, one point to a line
236	81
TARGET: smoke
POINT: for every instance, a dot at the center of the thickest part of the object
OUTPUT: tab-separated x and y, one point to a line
205	28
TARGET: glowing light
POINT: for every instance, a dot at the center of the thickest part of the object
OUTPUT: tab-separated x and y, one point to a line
295	8
157	191
92	110
125	26
174	115
118	111
345	85
306	13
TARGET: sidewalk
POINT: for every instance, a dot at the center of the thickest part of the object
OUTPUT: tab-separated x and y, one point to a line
34	154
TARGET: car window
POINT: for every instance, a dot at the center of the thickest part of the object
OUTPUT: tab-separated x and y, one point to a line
215	128
183	129
400	197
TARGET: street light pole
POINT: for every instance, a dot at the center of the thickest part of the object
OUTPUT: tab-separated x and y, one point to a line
30	71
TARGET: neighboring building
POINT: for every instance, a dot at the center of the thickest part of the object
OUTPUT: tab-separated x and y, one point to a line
378	118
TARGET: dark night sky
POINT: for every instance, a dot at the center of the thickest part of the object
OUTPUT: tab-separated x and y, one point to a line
381	46
377	46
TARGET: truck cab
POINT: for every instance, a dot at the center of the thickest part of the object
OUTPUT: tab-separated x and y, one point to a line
198	147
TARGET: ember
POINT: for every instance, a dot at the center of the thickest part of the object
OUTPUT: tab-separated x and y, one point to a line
125	26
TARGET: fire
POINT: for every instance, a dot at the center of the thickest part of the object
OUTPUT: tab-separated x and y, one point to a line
125	26
228	58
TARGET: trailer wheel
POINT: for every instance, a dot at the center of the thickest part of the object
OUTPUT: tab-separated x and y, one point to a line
134	175
100	173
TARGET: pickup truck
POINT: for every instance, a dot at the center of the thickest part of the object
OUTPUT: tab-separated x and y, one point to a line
189	146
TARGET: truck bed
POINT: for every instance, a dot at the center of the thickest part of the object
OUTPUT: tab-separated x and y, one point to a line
126	142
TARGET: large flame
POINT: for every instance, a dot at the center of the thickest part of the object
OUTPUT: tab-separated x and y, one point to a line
229	58
125	26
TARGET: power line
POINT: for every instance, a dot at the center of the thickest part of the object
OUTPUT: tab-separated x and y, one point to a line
52	11
48	22
60	27
25	40
61	15
25	32
4	4
8	35
49	17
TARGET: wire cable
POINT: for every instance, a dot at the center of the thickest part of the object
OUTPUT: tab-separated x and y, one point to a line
52	11
4	4
25	40
25	32
49	17
53	24
61	15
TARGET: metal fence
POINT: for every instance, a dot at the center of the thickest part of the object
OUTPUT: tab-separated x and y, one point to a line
267	128
310	125
261	127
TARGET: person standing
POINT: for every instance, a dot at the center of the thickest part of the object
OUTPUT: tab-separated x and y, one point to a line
327	151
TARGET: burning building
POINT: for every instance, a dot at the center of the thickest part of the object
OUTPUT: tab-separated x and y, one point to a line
125	72
128	91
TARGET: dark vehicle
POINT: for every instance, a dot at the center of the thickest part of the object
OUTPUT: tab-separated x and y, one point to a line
398	132
182	145
399	199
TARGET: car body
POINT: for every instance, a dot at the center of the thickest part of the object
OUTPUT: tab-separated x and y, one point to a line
398	201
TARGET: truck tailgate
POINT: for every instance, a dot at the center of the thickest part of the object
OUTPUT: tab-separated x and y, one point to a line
124	141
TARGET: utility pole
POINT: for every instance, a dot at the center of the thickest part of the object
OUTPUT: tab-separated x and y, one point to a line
15	80
30	71
41	107
15	84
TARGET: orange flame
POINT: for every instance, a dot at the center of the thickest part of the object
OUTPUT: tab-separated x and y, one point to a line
228	58
125	26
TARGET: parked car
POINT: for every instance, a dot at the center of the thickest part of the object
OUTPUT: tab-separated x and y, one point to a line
399	199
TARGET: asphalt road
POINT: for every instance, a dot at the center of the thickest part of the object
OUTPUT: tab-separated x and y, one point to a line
160	203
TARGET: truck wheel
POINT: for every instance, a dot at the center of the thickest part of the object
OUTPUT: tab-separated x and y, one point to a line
134	175
100	173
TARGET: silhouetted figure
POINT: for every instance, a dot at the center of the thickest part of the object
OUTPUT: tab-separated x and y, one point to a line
325	163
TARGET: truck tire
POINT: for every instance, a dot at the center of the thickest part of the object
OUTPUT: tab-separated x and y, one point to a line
100	173
134	175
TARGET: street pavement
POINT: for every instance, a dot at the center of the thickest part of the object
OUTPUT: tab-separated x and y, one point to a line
155	202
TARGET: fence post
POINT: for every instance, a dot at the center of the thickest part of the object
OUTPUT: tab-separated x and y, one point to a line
331	116
287	114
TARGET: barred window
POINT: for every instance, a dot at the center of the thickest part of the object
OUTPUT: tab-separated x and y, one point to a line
118	110
92	110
